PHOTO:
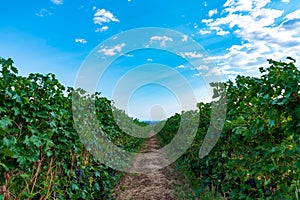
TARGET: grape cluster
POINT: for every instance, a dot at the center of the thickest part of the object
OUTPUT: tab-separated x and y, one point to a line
37	196
251	182
222	176
270	189
54	196
78	174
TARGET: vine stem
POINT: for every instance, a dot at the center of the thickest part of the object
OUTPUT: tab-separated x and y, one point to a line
37	173
72	165
4	187
51	177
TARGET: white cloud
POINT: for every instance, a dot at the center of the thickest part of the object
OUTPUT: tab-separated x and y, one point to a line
231	77
238	5
43	13
293	15
285	1
128	55
212	12
198	74
207	21
260	31
161	39
111	51
184	38
181	67
213	72
80	40
202	67
103	16
204	32
191	55
57	2
94	7
102	29
228	70
220	31
149	59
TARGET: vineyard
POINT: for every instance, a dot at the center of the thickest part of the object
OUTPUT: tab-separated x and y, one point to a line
256	157
258	152
42	156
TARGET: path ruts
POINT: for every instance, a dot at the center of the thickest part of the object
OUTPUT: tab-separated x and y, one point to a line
157	184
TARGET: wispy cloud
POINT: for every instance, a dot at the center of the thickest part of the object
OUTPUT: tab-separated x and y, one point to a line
204	70
231	77
111	51
181	67
264	33
193	54
195	25
197	74
128	55
213	72
204	32
43	13
184	38
212	12
220	31
162	39
104	16
80	40
57	2
102	29
202	67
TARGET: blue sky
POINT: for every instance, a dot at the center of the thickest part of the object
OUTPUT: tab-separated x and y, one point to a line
237	36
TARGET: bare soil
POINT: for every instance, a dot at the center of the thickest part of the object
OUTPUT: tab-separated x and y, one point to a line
159	184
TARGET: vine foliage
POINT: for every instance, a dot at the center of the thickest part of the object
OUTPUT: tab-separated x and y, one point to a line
257	154
41	155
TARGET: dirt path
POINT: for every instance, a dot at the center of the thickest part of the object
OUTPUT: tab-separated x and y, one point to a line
159	184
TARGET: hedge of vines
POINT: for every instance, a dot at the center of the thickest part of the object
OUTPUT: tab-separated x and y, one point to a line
41	155
258	152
